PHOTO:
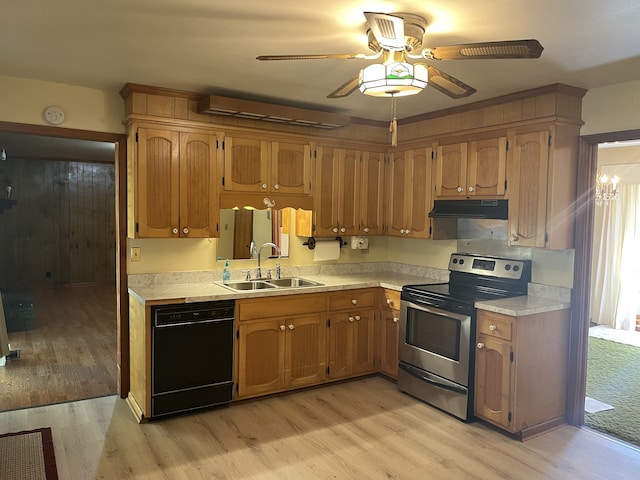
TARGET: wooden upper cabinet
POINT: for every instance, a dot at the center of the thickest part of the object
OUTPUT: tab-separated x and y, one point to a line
372	196
337	191
290	168
476	168
255	165
409	200
199	212
528	168
176	184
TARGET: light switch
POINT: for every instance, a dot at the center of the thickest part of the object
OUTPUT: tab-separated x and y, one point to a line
135	254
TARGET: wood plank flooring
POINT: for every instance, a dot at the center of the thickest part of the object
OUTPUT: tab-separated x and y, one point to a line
362	429
71	355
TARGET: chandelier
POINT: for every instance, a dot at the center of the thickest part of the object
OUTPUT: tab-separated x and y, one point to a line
606	189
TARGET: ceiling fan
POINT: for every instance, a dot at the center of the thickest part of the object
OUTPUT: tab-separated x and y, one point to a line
396	37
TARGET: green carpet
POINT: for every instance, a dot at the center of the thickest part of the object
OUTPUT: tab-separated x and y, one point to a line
613	377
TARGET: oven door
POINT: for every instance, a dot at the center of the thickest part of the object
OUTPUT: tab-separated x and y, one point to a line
436	341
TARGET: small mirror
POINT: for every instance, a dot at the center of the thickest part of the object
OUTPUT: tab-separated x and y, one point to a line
243	231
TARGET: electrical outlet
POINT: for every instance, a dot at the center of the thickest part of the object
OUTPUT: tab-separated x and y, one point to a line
135	254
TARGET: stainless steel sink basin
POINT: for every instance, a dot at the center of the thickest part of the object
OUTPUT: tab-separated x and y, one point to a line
244	285
289	282
293	282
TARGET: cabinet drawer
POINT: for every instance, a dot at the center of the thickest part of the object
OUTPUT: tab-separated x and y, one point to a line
391	299
281	306
495	325
352	299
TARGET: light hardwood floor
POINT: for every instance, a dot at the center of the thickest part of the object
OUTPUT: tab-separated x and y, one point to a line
70	355
362	429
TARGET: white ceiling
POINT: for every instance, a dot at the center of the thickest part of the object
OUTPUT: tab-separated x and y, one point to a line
209	46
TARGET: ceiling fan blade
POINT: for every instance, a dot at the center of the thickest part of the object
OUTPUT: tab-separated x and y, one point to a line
320	56
346	88
505	49
387	29
445	83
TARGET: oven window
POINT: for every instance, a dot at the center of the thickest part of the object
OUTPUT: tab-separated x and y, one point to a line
434	333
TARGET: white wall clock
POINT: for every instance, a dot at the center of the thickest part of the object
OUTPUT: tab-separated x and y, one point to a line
54	115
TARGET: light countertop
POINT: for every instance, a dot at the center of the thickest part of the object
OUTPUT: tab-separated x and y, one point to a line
520	306
206	291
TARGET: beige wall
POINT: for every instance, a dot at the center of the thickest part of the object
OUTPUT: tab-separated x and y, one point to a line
612	108
24	100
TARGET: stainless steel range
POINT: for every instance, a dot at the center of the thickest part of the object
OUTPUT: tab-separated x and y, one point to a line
438	328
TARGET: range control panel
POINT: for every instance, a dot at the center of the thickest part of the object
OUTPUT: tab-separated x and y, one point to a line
489	266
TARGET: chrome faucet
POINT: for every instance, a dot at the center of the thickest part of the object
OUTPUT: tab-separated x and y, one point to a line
268	244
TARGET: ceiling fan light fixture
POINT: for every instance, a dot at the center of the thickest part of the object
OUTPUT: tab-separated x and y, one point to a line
394	79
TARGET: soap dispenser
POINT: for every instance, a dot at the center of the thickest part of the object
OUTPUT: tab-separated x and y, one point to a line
226	273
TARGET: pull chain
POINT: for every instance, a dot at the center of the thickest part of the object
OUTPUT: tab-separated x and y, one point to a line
393	126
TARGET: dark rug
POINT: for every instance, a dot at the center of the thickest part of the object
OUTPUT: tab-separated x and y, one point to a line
28	455
613	377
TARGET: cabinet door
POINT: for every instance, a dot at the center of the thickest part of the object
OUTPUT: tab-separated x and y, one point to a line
493	380
326	191
349	188
486	167
157	188
398	174
389	342
261	356
451	170
246	164
363	341
528	162
341	345
306	351
290	168
372	196
199	212
419	205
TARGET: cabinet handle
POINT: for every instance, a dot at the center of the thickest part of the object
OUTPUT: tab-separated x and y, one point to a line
396	319
335	229
174	230
493	328
366	229
282	327
480	345
276	186
407	232
460	189
513	238
342	230
185	230
264	186
471	189
402	231
354	301
389	301
358	318
290	326
351	319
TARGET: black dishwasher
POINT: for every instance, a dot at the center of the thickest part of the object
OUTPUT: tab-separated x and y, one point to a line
192	356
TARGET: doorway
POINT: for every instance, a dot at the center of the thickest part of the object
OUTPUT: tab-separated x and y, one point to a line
580	321
69	208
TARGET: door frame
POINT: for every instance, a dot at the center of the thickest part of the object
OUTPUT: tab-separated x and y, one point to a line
585	210
120	161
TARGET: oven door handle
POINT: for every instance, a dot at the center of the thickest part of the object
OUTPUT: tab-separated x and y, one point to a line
433	380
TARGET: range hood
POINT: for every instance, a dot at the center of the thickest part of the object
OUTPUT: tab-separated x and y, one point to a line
489	209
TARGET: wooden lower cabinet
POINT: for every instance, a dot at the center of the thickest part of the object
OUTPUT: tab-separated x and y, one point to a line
521	370
281	353
388	345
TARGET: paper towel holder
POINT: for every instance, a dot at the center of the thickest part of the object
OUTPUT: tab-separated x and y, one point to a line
311	242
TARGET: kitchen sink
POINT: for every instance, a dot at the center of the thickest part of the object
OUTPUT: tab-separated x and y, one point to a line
247	285
289	282
293	282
